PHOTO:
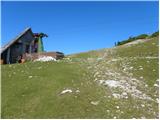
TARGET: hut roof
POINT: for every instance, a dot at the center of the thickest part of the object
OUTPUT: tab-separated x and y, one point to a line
15	39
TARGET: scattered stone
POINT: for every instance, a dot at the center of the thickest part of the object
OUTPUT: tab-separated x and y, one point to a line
142	105
45	59
101	81
99	58
143	117
66	91
126	97
112	83
117	107
131	68
157	100
124	94
114	117
141	77
140	68
122	112
109	96
30	76
39	67
95	79
155	85
115	95
114	60
94	102
146	85
77	91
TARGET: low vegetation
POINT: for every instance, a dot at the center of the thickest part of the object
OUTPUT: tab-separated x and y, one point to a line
142	36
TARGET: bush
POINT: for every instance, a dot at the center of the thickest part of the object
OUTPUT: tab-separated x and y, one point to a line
155	34
126	41
142	36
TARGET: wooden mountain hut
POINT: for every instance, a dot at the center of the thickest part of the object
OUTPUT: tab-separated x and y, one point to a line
26	42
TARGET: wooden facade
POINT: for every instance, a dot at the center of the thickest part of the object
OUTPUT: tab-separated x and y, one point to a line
14	50
26	46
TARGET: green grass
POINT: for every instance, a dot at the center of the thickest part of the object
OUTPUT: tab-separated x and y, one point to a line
32	90
90	54
38	97
144	55
149	48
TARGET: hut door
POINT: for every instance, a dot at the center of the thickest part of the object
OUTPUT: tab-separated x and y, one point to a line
27	48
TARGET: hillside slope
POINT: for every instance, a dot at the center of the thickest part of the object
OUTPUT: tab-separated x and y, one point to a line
120	82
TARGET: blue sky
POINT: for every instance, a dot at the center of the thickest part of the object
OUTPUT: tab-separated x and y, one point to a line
79	26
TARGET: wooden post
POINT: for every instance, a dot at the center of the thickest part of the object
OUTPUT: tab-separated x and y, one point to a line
2	62
8	56
30	48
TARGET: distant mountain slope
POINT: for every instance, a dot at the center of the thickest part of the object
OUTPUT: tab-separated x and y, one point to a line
136	42
135	38
120	82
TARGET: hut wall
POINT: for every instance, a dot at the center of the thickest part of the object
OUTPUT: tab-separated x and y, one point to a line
26	41
18	48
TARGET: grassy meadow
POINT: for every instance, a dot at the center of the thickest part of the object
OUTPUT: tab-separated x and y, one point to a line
120	82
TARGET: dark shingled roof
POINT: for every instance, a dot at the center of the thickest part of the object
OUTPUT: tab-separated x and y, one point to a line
14	40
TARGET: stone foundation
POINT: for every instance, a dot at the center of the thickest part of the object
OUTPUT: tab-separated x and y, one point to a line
34	56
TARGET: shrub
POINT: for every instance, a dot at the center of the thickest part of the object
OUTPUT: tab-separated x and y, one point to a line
155	34
142	36
126	41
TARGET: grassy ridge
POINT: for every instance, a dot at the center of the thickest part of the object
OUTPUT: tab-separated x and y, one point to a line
32	90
